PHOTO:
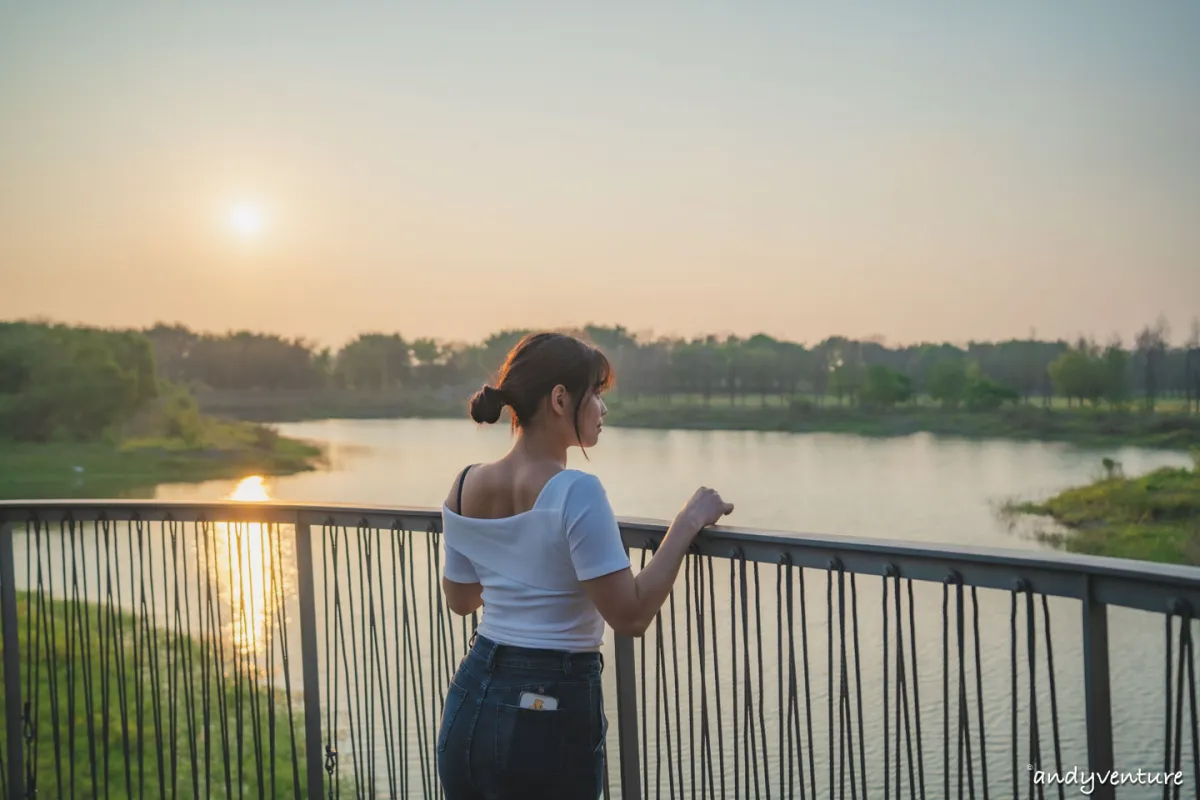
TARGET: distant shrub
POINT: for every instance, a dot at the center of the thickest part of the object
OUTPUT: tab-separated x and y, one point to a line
181	418
265	437
1112	469
801	405
985	395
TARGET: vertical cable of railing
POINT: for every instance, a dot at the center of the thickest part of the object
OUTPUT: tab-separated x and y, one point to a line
15	758
33	662
308	658
1096	691
627	718
902	694
1191	683
916	683
397	643
983	779
1174	731
390	740
889	571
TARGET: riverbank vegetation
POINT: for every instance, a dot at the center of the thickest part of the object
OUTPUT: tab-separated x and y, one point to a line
1145	394
1155	517
1083	427
108	702
85	412
977	375
1148	393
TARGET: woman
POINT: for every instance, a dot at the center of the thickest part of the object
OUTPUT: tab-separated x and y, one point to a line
537	545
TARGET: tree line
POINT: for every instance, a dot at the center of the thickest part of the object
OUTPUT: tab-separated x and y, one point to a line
61	382
77	382
979	376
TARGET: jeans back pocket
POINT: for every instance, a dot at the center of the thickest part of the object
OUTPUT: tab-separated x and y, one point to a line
532	742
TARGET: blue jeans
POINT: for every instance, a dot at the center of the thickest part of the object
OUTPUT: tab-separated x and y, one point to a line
489	748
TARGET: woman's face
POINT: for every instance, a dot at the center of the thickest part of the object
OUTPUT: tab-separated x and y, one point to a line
591	419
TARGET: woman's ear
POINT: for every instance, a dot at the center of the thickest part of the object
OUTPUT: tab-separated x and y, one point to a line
560	400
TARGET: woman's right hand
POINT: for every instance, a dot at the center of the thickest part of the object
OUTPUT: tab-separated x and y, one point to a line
630	602
705	508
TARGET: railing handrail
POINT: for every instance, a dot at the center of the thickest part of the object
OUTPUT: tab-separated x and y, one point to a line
1145	585
1095	581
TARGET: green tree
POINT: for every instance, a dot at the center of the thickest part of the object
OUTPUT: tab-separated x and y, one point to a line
983	394
70	383
762	365
1192	367
948	381
885	388
818	370
1070	374
373	362
794	365
1084	373
425	351
1115	371
846	380
1151	352
733	364
181	417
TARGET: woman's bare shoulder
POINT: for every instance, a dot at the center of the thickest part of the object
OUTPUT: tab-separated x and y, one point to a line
501	488
452	494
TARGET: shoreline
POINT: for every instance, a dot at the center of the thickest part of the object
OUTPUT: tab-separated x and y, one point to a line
1088	428
1151	517
97	470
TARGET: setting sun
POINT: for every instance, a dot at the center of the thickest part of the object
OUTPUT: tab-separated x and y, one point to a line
245	219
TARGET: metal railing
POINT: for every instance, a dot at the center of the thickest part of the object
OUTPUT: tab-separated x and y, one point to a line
236	649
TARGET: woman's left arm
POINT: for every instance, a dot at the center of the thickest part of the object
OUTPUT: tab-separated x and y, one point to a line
463	598
464	594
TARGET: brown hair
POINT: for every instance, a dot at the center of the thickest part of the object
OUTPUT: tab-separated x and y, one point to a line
538	363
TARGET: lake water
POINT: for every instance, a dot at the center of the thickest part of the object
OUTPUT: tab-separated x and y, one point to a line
917	488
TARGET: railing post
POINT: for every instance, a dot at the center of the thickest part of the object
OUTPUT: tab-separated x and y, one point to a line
13	711
1097	697
627	719
308	658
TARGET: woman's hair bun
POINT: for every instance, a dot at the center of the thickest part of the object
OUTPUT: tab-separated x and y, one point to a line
486	404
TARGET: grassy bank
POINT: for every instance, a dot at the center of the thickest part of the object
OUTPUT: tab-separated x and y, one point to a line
132	467
68	677
1154	517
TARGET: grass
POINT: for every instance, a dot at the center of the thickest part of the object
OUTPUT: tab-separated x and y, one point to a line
134	467
64	671
1154	517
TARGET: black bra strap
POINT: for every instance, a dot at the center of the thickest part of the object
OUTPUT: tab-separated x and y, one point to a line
462	479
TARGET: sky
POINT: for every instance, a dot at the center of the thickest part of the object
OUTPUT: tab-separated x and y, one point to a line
915	171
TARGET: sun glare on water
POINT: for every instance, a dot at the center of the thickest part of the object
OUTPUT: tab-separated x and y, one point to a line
251	490
247	553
